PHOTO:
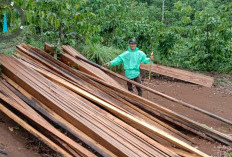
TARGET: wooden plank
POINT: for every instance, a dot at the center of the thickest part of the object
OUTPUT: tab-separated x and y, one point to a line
171	114
184	75
99	73
47	112
136	114
83	65
64	145
125	135
108	141
139	111
72	62
182	153
157	92
49	48
127	116
186	121
13	100
122	108
33	131
10	62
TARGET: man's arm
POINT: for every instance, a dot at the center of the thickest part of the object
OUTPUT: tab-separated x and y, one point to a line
146	60
117	61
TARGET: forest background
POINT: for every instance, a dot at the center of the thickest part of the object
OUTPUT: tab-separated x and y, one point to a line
189	34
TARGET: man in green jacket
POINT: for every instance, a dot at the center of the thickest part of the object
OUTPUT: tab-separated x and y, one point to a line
131	60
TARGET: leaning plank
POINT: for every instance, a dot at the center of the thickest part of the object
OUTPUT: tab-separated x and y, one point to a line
90	69
138	143
8	64
33	131
184	75
126	116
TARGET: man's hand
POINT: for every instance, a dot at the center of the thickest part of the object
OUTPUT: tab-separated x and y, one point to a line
107	64
151	58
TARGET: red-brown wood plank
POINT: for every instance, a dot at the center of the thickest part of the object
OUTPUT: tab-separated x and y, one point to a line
184	75
97	72
37	89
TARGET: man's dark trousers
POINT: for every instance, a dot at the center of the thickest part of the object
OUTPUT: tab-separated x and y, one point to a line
137	79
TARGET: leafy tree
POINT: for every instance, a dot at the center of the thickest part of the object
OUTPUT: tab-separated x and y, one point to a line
193	34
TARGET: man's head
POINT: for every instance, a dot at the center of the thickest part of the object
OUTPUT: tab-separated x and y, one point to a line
132	44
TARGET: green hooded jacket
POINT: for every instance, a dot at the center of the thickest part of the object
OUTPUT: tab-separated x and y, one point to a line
131	60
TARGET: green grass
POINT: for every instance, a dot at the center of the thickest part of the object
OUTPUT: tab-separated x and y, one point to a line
97	53
7	47
229	154
101	54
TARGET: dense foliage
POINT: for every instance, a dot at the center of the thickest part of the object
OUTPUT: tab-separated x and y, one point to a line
190	34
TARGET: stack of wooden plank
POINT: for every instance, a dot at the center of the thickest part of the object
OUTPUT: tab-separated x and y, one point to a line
156	108
97	116
106	134
180	74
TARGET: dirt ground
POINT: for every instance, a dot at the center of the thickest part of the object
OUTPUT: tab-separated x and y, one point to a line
13	139
217	100
18	143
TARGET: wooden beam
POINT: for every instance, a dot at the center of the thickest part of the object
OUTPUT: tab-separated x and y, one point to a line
184	75
87	68
132	112
125	116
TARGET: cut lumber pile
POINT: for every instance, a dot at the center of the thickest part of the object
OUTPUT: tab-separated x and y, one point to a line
152	107
184	75
96	115
76	54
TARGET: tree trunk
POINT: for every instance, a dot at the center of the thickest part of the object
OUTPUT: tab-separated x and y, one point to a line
163	11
